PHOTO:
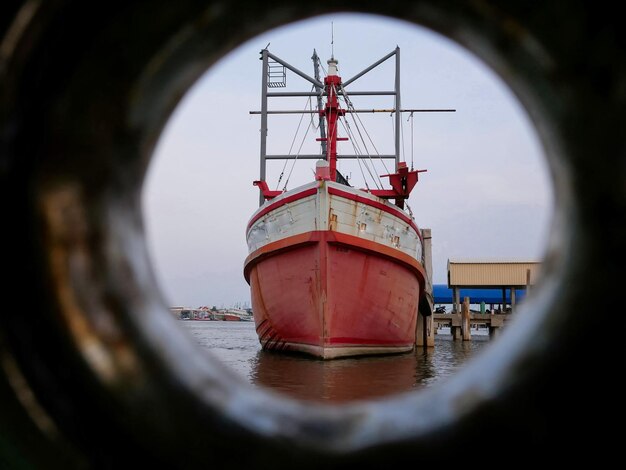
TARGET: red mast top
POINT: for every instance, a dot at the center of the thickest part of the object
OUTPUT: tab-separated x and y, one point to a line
332	113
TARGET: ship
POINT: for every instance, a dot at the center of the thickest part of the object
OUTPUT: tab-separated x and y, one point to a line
334	270
228	316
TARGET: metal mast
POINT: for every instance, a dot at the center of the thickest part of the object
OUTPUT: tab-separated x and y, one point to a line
264	58
274	76
319	90
398	107
332	113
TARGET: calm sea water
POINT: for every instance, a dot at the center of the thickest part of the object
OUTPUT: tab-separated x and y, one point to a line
236	344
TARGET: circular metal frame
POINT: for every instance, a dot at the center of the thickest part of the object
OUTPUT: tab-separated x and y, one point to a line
91	365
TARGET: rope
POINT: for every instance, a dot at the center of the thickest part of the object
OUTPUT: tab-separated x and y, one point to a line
406	203
351	107
293	142
357	151
297	155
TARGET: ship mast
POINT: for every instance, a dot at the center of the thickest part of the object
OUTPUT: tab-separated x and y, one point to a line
274	69
318	89
332	112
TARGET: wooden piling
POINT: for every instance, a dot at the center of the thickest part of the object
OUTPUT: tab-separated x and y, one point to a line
465	320
455	327
497	322
456	293
425	331
512	299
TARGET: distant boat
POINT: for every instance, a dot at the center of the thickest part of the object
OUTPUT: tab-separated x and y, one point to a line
231	317
334	270
236	314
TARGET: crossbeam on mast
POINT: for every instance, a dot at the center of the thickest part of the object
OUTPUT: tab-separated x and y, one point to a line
288	94
308	111
318	156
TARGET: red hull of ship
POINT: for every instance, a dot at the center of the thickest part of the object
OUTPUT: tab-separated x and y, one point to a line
333	295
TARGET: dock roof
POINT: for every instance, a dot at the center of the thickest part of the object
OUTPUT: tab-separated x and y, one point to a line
492	273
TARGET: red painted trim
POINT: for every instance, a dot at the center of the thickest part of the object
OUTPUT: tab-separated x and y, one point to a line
282	202
277	247
332	237
377	205
379	250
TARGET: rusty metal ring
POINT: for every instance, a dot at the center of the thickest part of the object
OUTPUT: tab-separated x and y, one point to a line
91	364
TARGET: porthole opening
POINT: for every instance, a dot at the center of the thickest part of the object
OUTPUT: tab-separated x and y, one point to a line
486	194
100	356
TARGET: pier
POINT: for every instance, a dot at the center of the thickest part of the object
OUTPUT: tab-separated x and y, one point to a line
507	276
495	282
460	324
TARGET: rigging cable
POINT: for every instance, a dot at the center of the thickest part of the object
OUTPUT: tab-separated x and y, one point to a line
293	142
357	151
298	154
356	148
359	154
351	107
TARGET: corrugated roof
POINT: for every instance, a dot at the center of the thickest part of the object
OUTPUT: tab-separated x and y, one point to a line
492	273
491	260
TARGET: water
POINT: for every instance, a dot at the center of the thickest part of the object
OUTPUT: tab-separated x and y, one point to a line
236	344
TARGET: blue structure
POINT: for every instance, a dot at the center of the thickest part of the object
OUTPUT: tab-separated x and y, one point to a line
443	295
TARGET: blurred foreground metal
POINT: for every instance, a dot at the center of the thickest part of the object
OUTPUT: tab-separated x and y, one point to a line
90	375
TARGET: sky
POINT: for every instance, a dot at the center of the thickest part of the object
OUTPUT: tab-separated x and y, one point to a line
486	193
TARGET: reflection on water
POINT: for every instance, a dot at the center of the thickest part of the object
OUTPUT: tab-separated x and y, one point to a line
236	344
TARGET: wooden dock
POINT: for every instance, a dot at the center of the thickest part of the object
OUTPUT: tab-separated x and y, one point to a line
460	323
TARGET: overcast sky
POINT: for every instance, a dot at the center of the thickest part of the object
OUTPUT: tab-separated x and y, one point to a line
486	193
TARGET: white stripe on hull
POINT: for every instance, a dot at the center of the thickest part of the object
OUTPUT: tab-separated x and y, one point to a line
324	211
